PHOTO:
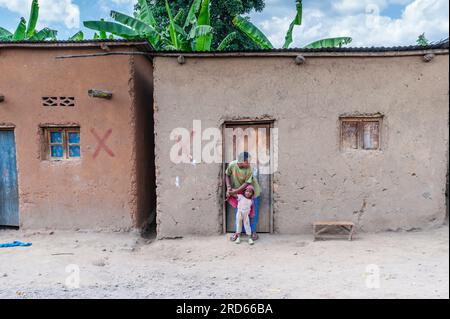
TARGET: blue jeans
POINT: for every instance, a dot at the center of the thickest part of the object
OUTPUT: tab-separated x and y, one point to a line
254	220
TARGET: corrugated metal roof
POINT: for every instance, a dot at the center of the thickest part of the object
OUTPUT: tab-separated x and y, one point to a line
444	44
143	45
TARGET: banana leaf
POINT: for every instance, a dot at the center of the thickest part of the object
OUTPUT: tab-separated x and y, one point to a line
137	25
102	33
181	31
145	13
191	34
203	30
203	33
20	32
192	14
32	21
169	47
297	21
178	19
5	34
252	32
79	36
111	27
329	43
44	34
172	28
225	43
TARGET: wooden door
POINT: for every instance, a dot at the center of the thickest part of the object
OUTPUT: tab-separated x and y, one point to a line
255	139
9	197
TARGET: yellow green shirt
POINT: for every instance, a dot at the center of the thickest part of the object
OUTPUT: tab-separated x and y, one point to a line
240	176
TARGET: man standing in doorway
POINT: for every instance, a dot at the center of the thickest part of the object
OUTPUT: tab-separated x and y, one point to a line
238	176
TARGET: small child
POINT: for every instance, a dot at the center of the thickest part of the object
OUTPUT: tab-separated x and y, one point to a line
244	207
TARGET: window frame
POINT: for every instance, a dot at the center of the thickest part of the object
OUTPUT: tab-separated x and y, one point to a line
360	121
47	149
67	132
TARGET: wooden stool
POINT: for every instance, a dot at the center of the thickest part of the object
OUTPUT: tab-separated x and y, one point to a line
322	226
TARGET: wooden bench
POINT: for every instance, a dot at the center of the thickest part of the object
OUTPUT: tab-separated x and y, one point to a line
322	226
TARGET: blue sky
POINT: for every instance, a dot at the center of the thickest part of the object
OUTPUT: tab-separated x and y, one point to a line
368	22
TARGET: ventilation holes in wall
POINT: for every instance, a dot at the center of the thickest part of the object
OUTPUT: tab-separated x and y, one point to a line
67	101
49	101
58	101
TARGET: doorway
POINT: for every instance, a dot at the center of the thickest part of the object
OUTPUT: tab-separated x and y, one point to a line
254	138
9	193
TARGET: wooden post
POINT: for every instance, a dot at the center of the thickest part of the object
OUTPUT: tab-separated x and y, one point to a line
100	94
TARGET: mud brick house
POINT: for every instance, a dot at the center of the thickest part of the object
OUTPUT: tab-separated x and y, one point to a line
358	134
69	160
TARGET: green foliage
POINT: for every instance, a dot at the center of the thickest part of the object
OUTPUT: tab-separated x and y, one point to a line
203	38
172	29
111	27
256	35
184	32
227	41
259	38
28	32
79	36
167	26
32	21
45	34
297	21
4	34
21	30
222	13
145	13
422	40
329	43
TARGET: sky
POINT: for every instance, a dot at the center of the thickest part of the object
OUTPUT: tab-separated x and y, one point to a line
368	22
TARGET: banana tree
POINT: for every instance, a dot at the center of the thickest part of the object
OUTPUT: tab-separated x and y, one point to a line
124	26
185	32
28	32
258	37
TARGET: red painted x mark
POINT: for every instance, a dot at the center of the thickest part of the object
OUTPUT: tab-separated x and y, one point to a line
101	143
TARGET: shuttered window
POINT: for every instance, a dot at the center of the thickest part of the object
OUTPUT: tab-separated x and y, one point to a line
360	133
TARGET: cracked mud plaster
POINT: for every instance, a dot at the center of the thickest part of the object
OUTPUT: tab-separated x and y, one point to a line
309	141
360	214
133	189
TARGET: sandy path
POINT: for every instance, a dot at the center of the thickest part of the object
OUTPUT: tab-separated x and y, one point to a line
123	265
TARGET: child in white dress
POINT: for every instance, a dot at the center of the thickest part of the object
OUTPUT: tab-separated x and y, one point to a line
244	208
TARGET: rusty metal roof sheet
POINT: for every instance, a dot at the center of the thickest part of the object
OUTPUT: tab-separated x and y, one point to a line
144	46
140	44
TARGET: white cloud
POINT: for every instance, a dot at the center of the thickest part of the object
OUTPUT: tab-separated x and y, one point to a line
366	27
125	6
58	11
352	6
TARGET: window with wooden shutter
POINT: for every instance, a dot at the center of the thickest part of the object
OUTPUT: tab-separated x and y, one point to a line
360	132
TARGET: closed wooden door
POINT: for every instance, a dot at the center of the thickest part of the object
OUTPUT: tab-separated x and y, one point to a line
9	196
255	139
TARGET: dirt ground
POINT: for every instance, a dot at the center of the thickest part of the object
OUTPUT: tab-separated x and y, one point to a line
125	265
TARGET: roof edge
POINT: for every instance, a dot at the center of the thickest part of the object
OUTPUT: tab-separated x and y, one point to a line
294	53
142	44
